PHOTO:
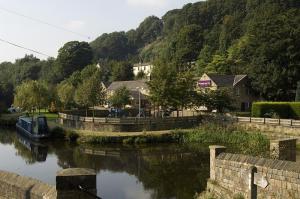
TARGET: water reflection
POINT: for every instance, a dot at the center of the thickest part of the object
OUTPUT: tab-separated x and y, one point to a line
38	150
156	171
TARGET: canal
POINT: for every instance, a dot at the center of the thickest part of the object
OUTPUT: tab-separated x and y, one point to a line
161	171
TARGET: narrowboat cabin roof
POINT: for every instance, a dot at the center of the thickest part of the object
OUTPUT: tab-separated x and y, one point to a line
26	119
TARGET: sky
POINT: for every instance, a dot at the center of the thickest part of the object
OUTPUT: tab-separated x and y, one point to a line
87	18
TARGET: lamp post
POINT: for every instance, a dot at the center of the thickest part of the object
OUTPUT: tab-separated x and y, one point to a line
138	88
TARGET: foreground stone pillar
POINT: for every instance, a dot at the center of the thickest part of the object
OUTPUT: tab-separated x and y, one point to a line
76	183
284	149
214	152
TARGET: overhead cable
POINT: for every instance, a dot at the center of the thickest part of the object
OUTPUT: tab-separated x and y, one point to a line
25	48
44	22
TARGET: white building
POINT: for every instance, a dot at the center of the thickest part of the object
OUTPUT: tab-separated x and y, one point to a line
146	68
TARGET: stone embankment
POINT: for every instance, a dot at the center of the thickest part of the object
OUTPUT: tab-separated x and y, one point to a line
234	175
273	128
128	124
13	186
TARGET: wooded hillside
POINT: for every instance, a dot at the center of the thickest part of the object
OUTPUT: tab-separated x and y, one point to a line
255	37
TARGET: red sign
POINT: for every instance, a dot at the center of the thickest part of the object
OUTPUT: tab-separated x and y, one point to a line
204	83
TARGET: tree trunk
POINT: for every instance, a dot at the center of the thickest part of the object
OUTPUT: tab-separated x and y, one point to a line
86	112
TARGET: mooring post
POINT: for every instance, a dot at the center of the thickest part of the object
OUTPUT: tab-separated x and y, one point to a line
76	183
252	192
214	152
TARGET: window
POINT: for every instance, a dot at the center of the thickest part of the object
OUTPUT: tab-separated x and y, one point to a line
248	91
237	91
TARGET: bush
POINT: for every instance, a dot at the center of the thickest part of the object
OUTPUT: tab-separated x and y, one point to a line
285	110
57	132
243	114
72	136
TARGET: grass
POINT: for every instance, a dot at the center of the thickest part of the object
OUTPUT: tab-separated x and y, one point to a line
14	116
10	116
253	143
47	114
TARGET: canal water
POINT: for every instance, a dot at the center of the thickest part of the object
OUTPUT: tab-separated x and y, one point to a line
162	171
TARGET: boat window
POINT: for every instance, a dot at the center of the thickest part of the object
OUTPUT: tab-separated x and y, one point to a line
41	121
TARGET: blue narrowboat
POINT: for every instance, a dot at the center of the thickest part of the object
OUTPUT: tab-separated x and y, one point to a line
35	128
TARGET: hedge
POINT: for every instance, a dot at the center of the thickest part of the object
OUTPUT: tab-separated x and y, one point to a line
284	110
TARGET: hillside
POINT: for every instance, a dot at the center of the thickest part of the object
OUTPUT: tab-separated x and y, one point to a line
255	37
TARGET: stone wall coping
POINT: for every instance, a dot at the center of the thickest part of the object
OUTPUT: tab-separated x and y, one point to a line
216	147
284	140
35	187
261	162
76	172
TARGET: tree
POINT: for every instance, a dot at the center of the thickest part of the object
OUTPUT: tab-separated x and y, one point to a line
141	75
271	52
184	90
162	85
73	56
113	46
187	45
120	98
31	95
220	100
90	93
297	98
148	31
66	92
122	71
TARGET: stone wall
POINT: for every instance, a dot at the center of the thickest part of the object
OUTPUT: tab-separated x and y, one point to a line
284	149
233	174
19	187
70	184
273	131
128	124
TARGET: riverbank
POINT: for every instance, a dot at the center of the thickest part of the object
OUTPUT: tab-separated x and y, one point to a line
97	137
238	139
9	120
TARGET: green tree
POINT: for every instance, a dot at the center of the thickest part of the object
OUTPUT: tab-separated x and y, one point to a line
73	56
220	100
120	98
162	86
148	31
141	75
90	93
184	90
31	95
66	92
187	45
121	71
297	98
113	46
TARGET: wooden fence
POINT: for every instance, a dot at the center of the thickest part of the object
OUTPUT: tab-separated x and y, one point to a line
270	121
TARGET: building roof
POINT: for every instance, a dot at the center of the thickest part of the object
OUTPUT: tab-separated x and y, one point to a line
130	85
238	78
226	80
135	95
